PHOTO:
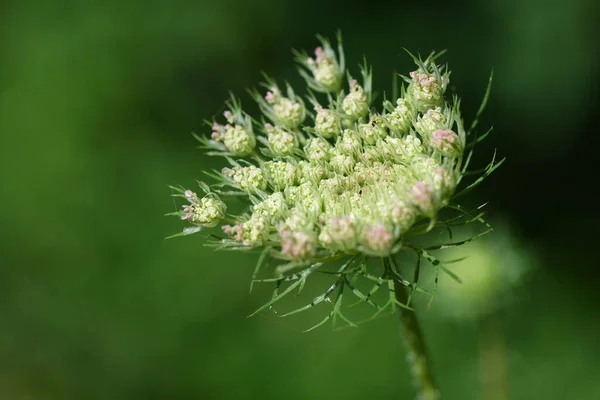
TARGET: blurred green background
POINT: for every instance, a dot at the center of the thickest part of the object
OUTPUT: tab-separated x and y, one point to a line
97	102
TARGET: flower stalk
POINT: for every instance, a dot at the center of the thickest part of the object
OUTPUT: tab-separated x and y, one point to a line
417	357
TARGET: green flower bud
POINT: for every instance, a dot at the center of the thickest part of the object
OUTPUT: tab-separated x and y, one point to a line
274	207
403	149
205	212
431	121
400	119
349	143
255	231
339	234
250	179
280	142
424	168
310	172
327	123
290	113
317	150
325	69
355	104
341	163
281	174
238	140
373	130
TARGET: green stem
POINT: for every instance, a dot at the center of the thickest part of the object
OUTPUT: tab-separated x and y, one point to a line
417	355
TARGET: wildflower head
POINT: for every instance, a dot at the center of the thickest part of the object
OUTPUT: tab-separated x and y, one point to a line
349	182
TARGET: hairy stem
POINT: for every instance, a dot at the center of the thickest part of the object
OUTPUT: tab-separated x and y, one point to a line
417	356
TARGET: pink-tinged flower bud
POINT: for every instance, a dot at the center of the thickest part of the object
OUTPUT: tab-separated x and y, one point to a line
320	54
189	195
272	95
236	232
402	215
204	212
297	245
421	195
378	239
446	142
228	116
287	112
218	132
443	186
339	234
427	89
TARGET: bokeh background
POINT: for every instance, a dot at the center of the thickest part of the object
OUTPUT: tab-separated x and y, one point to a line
97	102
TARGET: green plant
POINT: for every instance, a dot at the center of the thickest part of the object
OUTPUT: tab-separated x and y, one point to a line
346	189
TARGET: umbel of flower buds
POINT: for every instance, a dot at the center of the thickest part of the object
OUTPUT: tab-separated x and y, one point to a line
236	135
343	177
205	212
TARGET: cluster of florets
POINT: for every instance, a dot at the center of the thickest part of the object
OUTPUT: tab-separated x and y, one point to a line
335	177
354	180
204	212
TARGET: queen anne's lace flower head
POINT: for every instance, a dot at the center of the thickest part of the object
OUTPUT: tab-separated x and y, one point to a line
352	179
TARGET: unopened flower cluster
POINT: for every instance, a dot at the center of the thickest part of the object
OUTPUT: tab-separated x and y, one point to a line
334	171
